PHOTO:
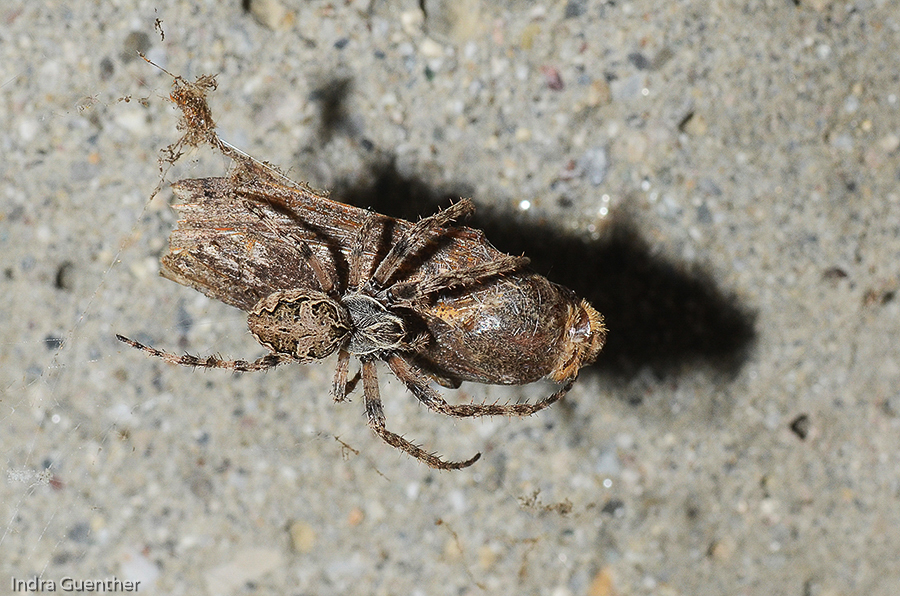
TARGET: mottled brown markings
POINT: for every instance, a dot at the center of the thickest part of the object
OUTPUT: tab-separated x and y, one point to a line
305	324
318	277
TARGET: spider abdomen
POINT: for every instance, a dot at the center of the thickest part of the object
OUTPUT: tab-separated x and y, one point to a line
303	323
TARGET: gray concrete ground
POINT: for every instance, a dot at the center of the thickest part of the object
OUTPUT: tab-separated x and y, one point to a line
719	178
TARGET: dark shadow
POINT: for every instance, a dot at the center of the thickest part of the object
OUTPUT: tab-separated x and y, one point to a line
333	115
660	315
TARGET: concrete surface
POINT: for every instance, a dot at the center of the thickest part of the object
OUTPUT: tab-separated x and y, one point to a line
719	178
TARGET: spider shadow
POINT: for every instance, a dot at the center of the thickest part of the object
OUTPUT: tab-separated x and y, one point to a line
661	316
334	118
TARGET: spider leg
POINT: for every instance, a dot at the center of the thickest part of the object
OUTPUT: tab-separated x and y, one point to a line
375	415
341	388
414	238
416	381
403	292
356	252
325	279
266	362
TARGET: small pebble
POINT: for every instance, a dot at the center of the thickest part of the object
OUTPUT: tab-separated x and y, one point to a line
303	537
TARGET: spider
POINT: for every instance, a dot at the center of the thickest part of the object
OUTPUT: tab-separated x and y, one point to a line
442	304
371	320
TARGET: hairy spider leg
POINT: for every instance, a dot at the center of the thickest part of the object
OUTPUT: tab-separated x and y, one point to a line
407	292
264	363
414	238
323	276
360	242
375	417
341	388
415	381
339	385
